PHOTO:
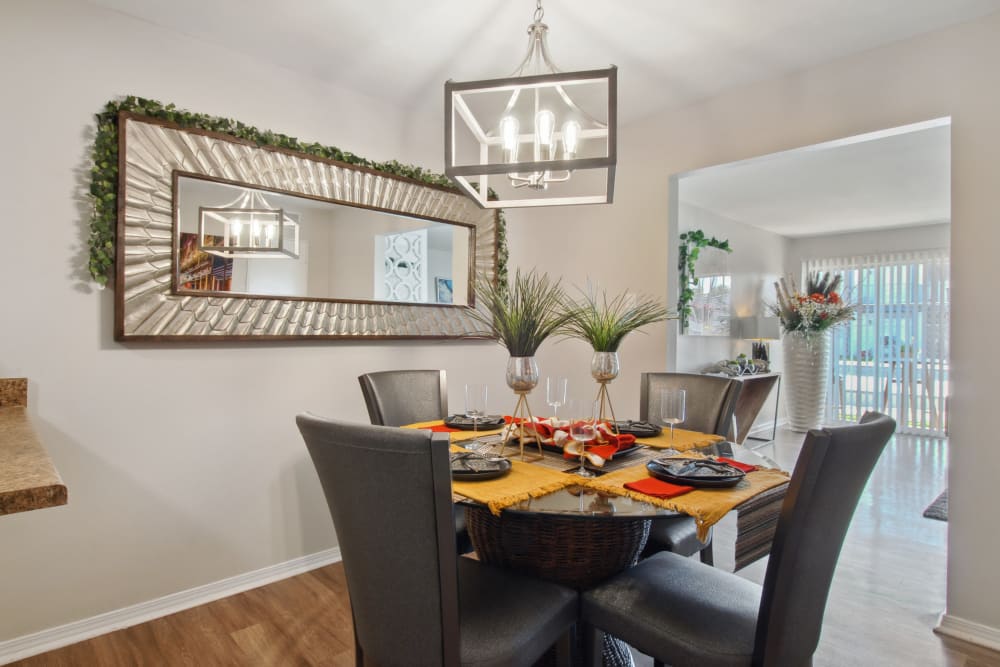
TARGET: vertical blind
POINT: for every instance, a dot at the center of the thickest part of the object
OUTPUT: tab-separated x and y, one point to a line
894	356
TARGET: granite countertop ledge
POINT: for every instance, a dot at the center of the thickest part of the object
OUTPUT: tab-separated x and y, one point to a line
28	480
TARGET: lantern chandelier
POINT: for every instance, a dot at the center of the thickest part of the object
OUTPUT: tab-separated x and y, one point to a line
248	227
549	135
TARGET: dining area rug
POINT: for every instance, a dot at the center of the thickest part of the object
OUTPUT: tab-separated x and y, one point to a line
939	508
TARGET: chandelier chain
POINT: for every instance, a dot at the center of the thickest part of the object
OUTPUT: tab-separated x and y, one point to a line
539	12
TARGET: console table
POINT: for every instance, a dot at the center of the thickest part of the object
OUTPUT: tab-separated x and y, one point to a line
756	388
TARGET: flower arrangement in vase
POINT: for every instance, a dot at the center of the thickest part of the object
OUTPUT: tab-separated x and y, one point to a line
817	309
806	320
604	322
521	316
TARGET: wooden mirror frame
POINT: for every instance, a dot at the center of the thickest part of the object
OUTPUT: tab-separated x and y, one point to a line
147	306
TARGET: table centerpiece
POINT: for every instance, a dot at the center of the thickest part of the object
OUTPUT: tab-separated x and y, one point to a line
604	322
521	316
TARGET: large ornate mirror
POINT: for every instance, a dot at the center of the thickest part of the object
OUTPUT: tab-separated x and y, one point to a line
224	239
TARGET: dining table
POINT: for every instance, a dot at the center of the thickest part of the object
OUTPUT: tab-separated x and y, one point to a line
544	520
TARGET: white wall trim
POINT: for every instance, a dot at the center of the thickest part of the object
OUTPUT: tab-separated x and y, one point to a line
968	631
77	631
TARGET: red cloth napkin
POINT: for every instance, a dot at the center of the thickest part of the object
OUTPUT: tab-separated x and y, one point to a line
745	467
607	443
658	488
604	451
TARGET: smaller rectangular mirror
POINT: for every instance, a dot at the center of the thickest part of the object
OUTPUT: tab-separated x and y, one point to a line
711	306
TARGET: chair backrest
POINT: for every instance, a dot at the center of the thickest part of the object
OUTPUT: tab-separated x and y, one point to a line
711	400
389	493
830	474
397	398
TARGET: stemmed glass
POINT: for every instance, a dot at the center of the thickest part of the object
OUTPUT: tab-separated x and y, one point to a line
672	408
583	429
475	403
555	394
475	408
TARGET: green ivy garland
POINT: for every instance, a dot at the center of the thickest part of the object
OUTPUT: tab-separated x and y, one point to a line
104	173
687	254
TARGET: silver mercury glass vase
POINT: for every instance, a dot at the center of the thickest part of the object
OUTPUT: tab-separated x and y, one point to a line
522	374
604	366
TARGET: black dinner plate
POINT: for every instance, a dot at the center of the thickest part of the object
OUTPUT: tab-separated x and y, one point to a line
706	473
471	467
463	423
621	453
639	429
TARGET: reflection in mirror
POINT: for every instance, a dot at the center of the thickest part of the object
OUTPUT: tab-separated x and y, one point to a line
711	305
239	240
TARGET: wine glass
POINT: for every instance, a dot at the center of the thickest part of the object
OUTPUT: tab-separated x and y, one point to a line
475	406
555	394
583	429
672	408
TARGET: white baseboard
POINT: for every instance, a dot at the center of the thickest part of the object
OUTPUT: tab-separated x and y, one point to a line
77	631
968	631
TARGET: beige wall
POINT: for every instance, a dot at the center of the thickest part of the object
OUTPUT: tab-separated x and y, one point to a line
947	73
183	462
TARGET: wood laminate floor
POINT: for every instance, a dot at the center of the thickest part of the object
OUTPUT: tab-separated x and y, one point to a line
887	593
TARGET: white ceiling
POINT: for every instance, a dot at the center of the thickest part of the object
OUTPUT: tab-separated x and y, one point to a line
874	182
669	53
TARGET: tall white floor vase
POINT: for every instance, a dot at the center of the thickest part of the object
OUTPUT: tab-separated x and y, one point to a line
806	376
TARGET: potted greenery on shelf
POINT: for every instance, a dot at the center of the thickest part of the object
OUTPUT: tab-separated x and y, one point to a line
604	323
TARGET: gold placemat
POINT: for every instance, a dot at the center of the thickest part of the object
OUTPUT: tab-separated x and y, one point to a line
524	481
707	506
683	440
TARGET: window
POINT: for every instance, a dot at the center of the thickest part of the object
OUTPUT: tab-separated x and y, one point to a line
894	357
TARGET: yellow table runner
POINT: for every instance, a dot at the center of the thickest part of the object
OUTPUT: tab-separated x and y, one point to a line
707	506
683	440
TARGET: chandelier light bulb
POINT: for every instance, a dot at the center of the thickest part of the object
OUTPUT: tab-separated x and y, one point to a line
570	138
509	131
236	228
545	124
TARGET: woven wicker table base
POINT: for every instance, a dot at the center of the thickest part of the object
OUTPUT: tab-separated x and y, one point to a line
578	552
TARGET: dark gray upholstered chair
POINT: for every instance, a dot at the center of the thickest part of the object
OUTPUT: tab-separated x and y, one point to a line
397	398
711	401
683	613
422	604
